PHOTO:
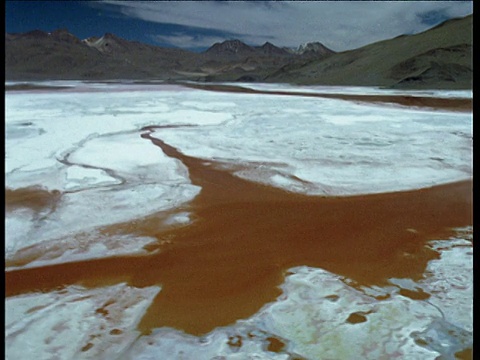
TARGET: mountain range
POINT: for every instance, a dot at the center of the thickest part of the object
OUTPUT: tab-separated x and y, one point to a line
440	57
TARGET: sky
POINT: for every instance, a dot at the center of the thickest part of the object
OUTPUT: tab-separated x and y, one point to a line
196	25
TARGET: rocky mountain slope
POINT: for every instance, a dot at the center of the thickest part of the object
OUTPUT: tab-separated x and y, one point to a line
234	60
60	55
440	57
437	58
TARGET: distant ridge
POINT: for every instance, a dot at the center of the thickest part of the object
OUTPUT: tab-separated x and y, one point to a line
60	55
269	49
440	57
235	47
239	48
312	49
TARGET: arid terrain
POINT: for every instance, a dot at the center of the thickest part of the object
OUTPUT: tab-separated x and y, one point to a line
148	220
244	202
438	58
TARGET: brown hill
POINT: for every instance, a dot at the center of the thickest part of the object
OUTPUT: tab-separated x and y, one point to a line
60	55
440	57
233	60
437	58
39	55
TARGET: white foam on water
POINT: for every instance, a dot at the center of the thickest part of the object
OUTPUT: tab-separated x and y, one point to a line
310	319
354	90
78	177
333	147
321	316
87	145
77	247
61	228
450	279
194	116
75	322
179	218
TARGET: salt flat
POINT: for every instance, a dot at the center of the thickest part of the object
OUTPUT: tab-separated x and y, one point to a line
333	147
81	153
361	90
323	316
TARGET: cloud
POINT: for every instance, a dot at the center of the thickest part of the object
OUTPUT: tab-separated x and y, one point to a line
433	17
184	40
340	25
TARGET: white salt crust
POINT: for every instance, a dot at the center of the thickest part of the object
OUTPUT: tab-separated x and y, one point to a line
75	323
311	318
87	145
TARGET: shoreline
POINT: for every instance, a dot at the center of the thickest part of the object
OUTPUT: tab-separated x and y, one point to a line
451	104
232	259
464	105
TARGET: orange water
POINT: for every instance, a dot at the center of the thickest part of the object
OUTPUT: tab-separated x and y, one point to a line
245	236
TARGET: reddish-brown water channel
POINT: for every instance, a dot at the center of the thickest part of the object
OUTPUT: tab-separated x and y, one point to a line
229	262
